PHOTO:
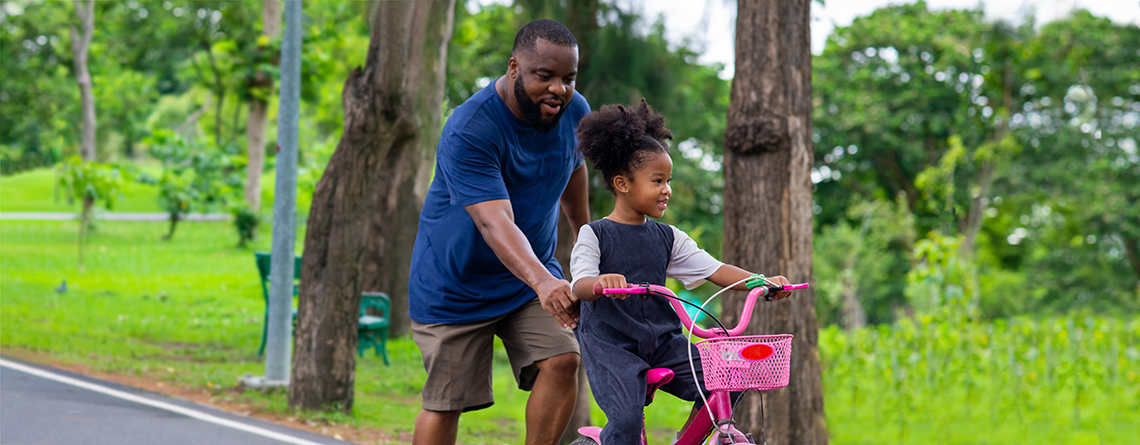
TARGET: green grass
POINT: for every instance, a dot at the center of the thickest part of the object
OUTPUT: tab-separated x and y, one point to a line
1064	380
190	312
36	191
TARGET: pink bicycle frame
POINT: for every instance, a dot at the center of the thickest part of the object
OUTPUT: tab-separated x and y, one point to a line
719	403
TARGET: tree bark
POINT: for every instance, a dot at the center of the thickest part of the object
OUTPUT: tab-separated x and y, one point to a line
768	160
80	42
402	184
259	111
392	106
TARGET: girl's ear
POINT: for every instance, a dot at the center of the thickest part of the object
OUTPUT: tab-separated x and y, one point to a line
621	184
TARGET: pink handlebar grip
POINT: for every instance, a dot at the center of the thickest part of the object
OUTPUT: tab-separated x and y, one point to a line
619	290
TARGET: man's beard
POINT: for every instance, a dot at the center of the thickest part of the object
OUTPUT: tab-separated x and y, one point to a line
532	111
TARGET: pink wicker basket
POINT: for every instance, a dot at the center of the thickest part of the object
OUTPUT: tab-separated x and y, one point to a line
746	362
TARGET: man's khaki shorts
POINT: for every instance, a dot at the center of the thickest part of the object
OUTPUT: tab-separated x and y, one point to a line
458	357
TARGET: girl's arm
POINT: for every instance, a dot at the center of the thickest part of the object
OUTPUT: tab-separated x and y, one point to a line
728	274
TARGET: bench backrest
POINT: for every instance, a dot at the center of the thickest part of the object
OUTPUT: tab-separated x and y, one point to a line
264	261
377	300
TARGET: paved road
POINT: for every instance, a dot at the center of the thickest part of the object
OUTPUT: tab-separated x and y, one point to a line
111	216
42	405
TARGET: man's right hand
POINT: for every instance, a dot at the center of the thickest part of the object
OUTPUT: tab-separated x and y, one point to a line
556	298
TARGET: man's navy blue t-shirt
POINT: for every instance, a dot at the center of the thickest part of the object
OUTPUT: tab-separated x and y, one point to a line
487	153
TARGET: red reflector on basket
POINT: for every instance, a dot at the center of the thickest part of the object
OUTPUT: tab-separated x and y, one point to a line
756	352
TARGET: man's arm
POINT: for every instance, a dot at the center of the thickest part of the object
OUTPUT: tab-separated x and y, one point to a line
576	200
496	222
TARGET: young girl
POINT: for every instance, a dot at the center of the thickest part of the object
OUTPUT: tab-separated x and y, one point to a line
621	338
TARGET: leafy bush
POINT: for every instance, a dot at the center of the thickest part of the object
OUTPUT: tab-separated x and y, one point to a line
92	183
196	176
246	221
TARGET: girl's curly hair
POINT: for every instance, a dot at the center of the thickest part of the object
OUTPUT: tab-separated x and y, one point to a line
618	139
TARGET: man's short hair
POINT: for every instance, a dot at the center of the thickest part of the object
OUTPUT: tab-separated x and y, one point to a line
548	30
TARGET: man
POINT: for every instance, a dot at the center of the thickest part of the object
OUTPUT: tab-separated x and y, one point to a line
483	263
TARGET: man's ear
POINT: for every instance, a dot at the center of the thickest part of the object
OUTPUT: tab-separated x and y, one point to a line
512	69
621	184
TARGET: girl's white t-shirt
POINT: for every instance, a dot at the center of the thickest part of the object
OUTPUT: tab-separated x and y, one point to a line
688	263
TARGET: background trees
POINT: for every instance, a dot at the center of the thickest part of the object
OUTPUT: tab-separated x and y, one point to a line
390	113
962	168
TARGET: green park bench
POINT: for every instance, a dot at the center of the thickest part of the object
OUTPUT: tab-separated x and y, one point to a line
372	329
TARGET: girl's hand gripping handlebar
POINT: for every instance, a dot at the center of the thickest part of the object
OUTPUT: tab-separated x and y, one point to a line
767	290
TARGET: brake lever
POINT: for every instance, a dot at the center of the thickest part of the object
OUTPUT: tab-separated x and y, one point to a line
771	294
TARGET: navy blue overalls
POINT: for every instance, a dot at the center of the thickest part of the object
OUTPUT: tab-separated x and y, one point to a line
622	339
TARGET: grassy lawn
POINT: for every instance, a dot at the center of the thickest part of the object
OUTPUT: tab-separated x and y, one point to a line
36	191
189	313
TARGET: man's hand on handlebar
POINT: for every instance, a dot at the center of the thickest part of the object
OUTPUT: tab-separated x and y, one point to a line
557	299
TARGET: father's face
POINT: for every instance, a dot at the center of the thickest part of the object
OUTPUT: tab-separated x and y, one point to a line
544	82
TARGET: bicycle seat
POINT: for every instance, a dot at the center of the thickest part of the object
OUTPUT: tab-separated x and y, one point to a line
656	378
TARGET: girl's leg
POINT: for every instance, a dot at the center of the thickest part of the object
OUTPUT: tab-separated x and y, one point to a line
617	380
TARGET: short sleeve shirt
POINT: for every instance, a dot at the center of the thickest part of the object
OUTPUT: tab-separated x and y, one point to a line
486	153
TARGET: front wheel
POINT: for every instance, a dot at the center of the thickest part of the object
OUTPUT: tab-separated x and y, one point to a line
583	441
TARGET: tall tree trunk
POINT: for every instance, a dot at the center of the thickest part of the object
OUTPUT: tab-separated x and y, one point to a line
402	184
767	220
259	110
80	42
391	105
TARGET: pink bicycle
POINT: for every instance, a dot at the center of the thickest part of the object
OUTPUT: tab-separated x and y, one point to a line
731	363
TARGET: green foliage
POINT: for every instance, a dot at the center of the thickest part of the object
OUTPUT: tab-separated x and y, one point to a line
993	131
92	182
246	221
39	101
195	176
941	284
1055	380
867	259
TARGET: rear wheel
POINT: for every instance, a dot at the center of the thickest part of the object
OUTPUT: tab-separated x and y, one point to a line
583	441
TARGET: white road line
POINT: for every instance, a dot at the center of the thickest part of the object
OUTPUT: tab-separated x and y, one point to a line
160	405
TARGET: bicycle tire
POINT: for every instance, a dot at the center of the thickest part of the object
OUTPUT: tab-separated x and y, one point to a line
583	440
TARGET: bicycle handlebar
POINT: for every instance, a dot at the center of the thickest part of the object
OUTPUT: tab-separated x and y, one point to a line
746	314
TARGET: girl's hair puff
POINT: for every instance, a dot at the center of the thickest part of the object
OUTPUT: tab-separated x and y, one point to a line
619	139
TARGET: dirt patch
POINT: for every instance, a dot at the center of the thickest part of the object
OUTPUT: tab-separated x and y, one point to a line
206	397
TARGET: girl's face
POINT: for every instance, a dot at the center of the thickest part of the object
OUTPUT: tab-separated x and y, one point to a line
646	191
